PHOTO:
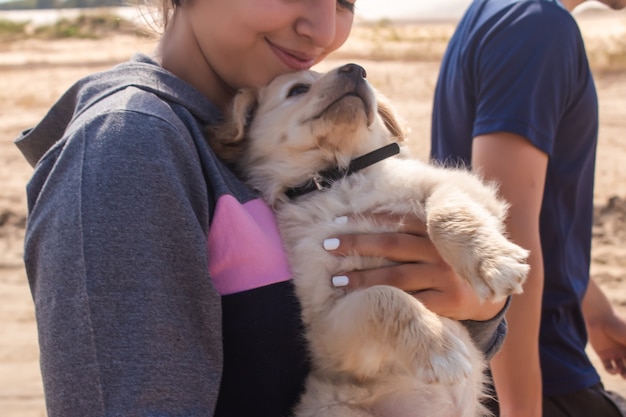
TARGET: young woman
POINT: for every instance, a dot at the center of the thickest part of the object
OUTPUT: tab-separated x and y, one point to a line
159	279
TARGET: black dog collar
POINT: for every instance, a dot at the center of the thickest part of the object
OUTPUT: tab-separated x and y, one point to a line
325	179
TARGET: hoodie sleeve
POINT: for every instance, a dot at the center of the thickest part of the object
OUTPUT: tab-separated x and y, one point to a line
116	252
489	335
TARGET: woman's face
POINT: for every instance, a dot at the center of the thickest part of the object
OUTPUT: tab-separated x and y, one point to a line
248	43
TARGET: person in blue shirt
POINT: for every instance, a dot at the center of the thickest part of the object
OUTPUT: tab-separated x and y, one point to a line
516	102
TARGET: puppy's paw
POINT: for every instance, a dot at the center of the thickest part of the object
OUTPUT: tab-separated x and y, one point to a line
472	242
502	270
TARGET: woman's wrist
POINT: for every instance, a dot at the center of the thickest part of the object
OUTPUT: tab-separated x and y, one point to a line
492	310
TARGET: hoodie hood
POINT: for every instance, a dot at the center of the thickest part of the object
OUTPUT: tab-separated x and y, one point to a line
141	72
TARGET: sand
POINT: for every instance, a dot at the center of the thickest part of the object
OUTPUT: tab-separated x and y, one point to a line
33	73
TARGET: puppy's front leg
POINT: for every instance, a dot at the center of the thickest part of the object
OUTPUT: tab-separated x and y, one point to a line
471	239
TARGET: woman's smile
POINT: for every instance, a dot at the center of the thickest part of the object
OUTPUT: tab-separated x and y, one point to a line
297	61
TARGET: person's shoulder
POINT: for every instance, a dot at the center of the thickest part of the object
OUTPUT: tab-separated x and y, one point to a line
134	99
512	23
128	114
142	86
518	12
539	15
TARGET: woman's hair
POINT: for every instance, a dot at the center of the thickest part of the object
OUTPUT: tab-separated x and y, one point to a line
156	14
167	8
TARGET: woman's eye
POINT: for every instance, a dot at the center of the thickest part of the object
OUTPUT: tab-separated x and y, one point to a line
346	4
298	89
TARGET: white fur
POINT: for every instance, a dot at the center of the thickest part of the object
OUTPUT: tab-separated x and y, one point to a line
376	351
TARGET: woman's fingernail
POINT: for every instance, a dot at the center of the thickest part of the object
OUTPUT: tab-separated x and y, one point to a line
331	244
341	220
340	281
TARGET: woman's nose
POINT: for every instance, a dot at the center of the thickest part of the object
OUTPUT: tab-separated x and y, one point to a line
318	22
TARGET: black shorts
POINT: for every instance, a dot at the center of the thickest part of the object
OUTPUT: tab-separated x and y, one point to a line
590	402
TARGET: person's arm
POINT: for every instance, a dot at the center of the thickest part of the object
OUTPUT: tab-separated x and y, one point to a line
116	253
607	330
520	170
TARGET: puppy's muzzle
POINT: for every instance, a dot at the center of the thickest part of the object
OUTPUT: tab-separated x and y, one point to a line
349	81
353	71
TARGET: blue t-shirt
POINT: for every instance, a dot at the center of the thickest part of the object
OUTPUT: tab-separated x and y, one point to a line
520	66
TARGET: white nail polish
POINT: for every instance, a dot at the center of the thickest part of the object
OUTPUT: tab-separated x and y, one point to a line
331	244
340	281
341	220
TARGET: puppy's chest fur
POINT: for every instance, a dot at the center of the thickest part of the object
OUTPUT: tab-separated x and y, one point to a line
390	187
378	348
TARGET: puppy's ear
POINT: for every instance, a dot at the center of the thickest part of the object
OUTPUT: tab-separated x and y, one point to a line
242	111
391	119
228	139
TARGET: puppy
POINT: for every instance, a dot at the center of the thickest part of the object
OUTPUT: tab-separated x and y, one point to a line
375	351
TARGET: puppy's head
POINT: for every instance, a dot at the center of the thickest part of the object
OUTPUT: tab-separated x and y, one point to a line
280	135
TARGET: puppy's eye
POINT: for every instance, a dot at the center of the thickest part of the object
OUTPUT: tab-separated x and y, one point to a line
298	89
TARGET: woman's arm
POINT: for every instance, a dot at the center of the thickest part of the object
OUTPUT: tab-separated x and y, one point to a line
129	322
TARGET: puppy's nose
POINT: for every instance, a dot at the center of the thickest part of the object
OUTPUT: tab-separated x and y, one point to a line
353	71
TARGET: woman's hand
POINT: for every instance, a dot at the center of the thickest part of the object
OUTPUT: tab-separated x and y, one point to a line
420	270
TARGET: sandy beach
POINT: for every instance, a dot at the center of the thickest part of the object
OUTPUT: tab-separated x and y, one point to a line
401	60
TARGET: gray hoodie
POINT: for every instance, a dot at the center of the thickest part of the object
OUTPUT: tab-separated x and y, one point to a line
160	283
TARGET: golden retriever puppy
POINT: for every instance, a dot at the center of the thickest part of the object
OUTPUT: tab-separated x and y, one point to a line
377	351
